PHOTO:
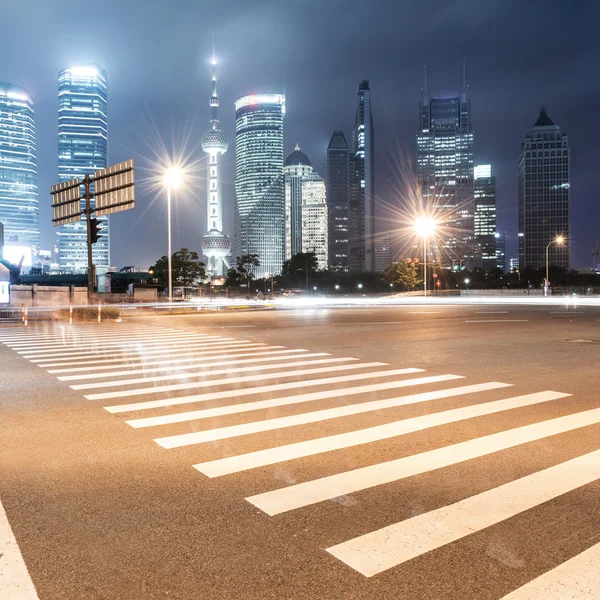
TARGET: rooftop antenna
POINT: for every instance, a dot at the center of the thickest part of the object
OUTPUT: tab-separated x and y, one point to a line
464	75
425	88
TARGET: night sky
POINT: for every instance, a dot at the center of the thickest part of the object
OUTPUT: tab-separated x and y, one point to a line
520	55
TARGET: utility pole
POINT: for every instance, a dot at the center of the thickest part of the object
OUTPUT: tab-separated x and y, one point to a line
87	195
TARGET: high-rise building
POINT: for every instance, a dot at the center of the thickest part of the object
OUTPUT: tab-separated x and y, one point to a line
305	209
484	189
445	171
501	250
383	251
544	195
216	246
339	164
82	149
513	264
362	208
259	189
18	171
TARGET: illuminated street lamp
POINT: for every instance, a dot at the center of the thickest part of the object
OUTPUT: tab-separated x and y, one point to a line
360	286
425	227
172	180
559	241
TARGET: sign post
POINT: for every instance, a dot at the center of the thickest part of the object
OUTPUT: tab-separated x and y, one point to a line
113	192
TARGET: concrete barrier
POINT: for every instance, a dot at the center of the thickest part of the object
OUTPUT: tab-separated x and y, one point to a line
47	295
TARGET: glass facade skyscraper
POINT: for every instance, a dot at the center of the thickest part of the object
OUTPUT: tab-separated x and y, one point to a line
544	195
259	186
338	176
485	216
445	171
82	149
18	169
362	213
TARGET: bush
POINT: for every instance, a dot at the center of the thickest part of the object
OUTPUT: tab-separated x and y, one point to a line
87	313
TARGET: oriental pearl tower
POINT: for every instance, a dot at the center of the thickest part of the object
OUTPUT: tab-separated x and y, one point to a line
216	246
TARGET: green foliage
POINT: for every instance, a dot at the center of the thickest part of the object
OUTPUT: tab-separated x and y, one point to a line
186	268
243	272
406	278
299	264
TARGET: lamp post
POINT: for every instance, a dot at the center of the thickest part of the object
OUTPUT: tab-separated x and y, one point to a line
425	226
172	180
559	241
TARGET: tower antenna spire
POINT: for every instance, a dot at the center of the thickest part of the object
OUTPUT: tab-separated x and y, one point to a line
464	75
425	86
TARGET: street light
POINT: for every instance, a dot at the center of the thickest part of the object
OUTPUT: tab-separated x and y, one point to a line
172	180
360	286
559	241
467	281
425	227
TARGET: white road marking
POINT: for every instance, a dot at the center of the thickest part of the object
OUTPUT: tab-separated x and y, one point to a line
150	351
111	341
326	488
267	389
119	347
15	582
231	409
228	381
261	458
176	363
390	546
499	321
189	350
209	372
221	433
97	332
576	579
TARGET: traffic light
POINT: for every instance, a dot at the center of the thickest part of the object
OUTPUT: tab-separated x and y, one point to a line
454	264
462	265
95	230
408	263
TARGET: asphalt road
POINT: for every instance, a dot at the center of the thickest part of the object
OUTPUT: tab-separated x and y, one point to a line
418	452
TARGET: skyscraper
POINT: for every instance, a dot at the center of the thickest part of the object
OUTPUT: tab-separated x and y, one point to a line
383	251
82	149
445	170
338	177
362	212
216	246
259	189
501	250
305	209
18	170
544	195
485	215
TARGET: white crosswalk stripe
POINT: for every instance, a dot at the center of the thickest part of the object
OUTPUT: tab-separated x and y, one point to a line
247	378
576	579
161	361
209	371
278	387
186	363
189	350
395	544
192	358
231	409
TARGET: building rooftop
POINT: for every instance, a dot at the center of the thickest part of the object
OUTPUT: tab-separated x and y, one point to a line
297	157
544	120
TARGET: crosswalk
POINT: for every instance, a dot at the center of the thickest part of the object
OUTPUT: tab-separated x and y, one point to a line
168	377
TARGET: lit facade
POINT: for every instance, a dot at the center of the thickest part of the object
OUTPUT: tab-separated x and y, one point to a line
445	171
501	250
82	149
339	170
544	195
259	186
362	207
216	246
18	170
306	224
383	251
485	215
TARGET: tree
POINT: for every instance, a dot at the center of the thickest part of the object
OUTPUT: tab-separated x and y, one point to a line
243	270
186	268
302	264
406	277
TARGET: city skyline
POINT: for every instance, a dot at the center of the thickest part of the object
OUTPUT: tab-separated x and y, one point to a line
132	101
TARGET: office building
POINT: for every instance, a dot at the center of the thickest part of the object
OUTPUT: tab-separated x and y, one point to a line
362	207
501	250
544	195
82	149
338	177
445	172
484	221
216	246
305	209
259	188
383	251
18	173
